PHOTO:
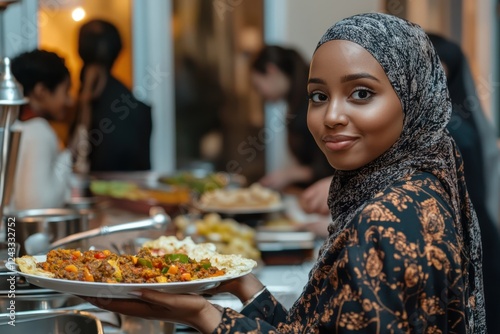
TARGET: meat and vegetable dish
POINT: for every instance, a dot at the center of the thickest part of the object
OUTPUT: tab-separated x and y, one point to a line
105	266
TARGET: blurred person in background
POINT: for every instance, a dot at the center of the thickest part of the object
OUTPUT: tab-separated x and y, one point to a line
198	100
43	170
119	126
476	139
280	73
471	129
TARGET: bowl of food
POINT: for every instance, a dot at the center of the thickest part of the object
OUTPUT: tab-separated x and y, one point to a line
201	181
251	205
136	197
228	235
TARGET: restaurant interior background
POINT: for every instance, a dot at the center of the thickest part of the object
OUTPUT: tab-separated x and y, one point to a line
190	60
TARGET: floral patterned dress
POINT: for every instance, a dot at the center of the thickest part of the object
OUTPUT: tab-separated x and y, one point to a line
396	268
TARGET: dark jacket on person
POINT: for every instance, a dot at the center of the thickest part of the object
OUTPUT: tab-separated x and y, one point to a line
476	139
120	130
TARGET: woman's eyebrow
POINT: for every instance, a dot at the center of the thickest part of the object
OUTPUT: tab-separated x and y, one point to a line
363	75
346	78
316	80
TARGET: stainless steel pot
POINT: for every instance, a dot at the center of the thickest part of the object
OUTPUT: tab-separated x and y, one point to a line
53	322
45	300
39	243
55	223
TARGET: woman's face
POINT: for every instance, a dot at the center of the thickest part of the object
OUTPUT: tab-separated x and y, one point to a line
354	113
57	103
273	85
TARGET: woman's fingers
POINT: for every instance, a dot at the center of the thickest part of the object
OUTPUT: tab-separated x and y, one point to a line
306	201
127	306
314	199
173	301
147	307
189	309
192	310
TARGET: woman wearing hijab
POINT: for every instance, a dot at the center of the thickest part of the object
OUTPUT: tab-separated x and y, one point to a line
404	250
475	137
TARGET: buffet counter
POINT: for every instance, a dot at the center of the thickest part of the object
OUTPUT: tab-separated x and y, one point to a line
284	281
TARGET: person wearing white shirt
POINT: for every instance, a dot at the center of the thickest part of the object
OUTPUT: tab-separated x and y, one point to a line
43	170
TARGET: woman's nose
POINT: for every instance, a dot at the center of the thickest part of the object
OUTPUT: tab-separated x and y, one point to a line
335	115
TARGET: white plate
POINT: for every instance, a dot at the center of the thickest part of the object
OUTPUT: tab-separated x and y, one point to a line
118	290
241	210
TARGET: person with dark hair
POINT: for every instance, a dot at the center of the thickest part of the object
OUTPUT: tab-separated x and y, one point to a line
474	133
99	42
119	126
280	73
475	137
43	170
403	253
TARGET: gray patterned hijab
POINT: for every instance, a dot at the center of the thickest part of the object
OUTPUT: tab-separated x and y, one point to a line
414	71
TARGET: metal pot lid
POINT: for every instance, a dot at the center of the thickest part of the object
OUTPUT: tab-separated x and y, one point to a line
11	92
51	214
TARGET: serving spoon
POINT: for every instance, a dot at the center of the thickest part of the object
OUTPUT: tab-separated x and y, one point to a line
39	243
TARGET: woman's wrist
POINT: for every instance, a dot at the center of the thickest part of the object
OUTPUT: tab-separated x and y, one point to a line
255	295
248	287
208	319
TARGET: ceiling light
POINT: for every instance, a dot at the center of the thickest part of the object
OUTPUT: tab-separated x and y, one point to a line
78	14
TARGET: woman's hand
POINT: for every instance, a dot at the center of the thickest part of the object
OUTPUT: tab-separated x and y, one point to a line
94	80
243	287
283	177
315	198
191	310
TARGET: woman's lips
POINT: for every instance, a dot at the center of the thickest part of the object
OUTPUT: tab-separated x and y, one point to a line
339	142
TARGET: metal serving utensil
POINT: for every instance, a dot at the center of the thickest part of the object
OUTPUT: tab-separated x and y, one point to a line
39	243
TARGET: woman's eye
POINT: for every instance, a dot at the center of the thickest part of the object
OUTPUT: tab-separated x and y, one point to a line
317	97
362	94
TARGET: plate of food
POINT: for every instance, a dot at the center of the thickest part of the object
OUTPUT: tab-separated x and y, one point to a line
253	199
241	210
103	274
138	197
228	235
196	182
